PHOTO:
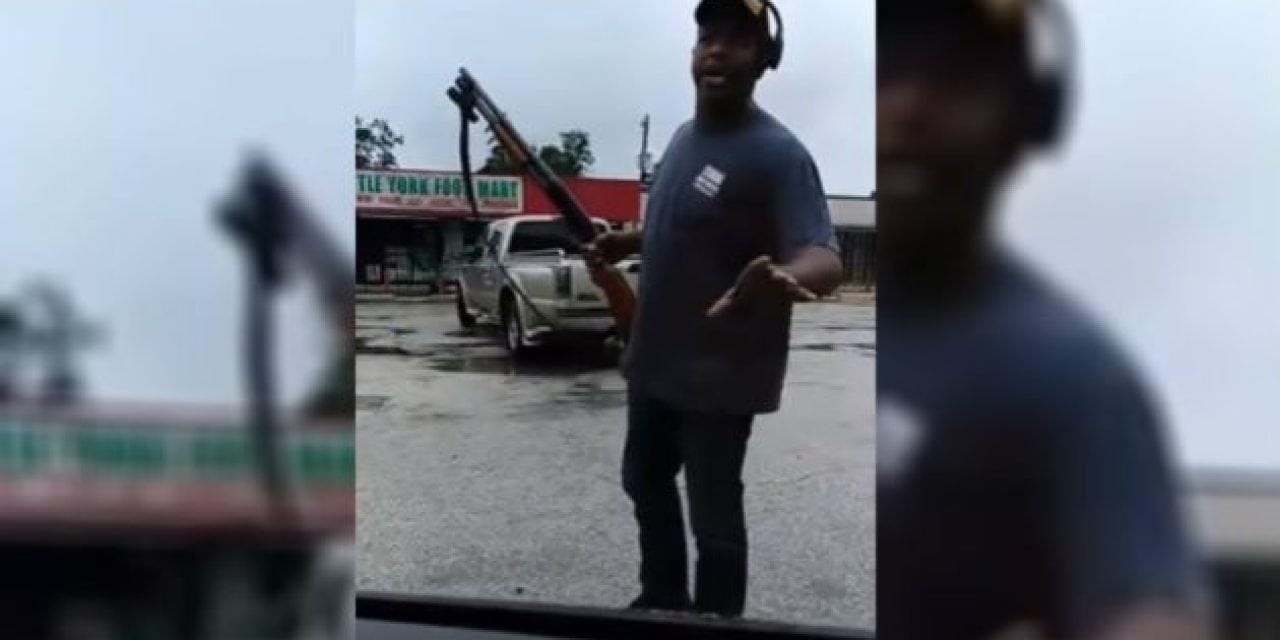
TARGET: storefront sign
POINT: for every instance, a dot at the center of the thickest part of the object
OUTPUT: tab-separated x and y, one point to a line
436	192
156	452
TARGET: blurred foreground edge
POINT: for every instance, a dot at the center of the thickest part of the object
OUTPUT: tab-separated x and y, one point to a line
162	474
94	469
1236	513
1237	518
172	520
388	616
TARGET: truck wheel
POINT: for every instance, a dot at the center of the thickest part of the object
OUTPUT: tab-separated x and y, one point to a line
465	317
512	328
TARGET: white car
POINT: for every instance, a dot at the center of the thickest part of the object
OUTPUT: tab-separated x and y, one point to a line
536	255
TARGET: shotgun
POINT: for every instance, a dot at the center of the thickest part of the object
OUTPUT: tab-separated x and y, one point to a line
472	100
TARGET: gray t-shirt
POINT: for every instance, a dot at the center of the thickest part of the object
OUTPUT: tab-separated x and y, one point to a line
718	200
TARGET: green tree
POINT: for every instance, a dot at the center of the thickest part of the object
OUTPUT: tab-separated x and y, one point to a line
572	158
499	161
375	144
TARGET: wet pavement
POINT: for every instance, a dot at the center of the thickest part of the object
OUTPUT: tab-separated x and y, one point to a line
481	477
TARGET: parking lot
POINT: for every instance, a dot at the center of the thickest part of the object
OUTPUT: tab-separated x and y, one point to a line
480	477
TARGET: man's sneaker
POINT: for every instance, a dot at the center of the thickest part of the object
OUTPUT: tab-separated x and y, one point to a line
663	602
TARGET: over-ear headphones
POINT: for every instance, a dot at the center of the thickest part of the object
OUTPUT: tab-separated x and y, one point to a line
771	50
773	46
1051	59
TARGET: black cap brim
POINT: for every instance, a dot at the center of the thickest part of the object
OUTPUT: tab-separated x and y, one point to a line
709	11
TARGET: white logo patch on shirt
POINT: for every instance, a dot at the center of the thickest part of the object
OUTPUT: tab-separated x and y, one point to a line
708	182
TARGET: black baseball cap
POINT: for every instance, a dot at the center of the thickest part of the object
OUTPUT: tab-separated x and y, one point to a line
992	26
749	12
990	16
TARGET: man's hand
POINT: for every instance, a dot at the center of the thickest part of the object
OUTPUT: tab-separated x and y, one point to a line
761	280
608	248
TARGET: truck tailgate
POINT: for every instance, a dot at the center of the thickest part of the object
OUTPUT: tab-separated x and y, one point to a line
584	291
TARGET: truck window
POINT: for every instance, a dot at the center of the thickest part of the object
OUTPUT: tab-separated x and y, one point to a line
544	236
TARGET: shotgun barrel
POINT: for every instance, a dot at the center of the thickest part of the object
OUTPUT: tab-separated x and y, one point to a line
467	93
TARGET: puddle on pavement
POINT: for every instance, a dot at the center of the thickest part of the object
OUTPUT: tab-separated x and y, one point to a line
816	347
867	348
484	355
836	328
474	364
840	328
547	365
382	350
590	396
819	326
437	417
479	344
363	347
371	403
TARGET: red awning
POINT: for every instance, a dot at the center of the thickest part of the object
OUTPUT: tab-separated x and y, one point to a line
612	200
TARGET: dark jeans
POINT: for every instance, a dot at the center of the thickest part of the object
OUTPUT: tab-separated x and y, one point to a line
710	447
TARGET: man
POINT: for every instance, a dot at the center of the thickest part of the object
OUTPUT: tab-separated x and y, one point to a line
1024	486
736	230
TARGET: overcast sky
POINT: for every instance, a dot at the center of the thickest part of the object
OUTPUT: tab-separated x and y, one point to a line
123	121
1164	211
1161	215
600	66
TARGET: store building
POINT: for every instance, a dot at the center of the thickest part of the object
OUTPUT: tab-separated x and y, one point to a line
412	225
854	218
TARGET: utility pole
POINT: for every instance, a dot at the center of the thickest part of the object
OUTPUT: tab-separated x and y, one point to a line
645	160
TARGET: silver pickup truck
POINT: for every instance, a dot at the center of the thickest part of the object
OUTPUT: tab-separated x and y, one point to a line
542	258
